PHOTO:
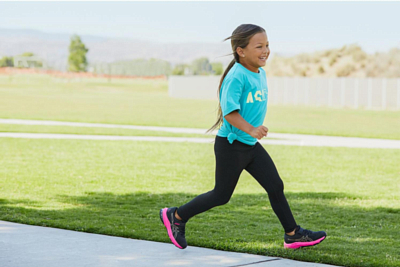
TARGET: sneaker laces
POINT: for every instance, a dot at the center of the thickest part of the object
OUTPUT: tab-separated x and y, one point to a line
179	228
307	232
182	228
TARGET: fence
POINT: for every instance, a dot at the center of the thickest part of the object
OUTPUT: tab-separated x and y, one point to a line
368	93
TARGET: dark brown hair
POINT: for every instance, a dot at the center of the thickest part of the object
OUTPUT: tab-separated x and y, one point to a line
240	38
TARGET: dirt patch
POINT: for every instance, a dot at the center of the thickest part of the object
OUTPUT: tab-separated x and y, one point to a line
71	75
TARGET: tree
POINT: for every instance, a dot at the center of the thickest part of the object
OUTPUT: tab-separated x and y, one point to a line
7	62
201	66
77	55
27	54
180	69
217	68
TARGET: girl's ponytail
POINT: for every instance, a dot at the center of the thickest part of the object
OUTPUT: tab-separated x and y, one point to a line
240	38
219	116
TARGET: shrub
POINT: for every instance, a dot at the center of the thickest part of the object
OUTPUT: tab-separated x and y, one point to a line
333	60
359	56
346	70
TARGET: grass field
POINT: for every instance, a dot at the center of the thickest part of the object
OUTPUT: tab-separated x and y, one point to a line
117	187
143	102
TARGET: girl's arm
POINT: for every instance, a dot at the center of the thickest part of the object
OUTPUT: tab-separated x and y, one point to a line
236	120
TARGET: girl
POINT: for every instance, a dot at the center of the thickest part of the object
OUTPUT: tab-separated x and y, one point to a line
243	95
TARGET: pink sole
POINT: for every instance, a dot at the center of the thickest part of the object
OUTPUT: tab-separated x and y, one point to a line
303	244
168	226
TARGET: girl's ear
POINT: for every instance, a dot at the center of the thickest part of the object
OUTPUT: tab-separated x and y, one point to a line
239	50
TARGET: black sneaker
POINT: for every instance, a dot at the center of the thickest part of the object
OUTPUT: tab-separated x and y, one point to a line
175	227
303	238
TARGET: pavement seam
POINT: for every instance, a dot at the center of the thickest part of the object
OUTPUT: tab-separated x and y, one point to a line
278	138
257	262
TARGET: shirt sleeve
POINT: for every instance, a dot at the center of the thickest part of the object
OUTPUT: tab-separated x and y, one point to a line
230	96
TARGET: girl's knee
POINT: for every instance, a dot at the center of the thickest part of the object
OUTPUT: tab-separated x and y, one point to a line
276	187
224	200
221	198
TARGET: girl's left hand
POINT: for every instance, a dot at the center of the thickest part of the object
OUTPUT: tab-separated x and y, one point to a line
259	132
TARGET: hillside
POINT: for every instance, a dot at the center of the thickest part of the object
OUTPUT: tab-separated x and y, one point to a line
348	61
53	48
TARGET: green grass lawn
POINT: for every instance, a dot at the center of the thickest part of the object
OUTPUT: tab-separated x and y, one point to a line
117	188
144	102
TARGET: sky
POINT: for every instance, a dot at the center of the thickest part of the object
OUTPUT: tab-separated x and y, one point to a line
292	27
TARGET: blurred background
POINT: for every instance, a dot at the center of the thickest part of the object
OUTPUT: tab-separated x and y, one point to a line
308	39
314	46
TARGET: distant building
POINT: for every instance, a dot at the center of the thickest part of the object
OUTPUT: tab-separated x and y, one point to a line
187	71
28	62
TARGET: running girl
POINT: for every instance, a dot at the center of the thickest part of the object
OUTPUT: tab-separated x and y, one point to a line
243	95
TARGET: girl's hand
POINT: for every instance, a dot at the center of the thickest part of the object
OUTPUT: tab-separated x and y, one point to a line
237	121
259	132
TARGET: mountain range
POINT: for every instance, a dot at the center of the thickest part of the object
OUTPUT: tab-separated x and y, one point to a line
53	48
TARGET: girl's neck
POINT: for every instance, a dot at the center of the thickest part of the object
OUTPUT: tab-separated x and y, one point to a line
250	68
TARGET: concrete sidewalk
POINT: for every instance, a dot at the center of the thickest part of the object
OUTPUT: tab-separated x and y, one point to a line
277	138
296	140
34	246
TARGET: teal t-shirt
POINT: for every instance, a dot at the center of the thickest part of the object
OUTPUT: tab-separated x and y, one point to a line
246	92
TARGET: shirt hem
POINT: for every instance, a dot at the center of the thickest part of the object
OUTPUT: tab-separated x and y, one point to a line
239	139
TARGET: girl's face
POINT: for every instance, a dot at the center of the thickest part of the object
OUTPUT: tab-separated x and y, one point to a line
256	53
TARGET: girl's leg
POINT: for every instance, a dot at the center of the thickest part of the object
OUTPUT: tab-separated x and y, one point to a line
230	162
263	169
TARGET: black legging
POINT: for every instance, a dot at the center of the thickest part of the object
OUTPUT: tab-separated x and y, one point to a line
231	160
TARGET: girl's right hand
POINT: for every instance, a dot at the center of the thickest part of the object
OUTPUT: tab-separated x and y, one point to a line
259	132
